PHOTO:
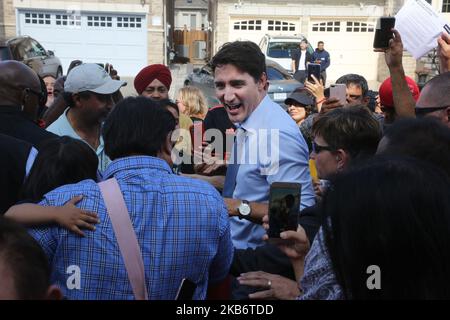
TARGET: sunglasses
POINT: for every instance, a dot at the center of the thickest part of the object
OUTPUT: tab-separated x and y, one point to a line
317	149
420	112
42	96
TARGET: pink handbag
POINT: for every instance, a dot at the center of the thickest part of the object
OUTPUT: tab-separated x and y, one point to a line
126	237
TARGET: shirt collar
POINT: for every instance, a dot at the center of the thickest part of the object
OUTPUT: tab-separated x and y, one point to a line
136	162
254	120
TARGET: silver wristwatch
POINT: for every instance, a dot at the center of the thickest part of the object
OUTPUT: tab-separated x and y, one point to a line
244	209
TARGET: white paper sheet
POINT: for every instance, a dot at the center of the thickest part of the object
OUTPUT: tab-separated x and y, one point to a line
419	26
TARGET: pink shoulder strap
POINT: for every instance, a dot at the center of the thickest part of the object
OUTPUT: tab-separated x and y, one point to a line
126	236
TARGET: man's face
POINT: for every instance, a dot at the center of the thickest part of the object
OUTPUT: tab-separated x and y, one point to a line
238	91
303	45
431	98
320	46
354	94
326	163
97	106
156	90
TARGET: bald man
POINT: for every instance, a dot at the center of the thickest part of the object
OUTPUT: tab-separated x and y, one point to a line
20	94
434	99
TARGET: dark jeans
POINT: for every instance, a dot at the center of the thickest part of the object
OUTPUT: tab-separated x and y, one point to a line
323	75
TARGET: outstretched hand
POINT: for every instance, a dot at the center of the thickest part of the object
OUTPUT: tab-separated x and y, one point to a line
274	286
74	219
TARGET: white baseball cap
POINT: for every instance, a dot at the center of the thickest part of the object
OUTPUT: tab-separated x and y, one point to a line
91	77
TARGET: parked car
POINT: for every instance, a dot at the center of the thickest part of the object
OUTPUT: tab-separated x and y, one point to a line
27	50
280	48
281	83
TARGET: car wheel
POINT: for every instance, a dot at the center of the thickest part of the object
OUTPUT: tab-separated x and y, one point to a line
59	73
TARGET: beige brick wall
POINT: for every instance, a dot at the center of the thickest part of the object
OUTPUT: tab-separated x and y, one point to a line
7	19
155	33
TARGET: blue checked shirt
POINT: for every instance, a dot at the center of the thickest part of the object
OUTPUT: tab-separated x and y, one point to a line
181	225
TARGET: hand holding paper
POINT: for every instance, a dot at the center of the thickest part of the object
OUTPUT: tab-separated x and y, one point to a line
420	26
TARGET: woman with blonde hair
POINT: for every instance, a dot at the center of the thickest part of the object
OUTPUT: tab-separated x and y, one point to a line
192	103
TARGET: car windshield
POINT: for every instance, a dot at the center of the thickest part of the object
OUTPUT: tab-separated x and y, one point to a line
274	74
281	49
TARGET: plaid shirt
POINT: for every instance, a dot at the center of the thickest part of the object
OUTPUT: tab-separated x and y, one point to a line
181	225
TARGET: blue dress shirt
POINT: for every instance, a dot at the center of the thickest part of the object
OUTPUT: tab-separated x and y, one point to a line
273	151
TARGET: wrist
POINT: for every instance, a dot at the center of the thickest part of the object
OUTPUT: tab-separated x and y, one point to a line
320	100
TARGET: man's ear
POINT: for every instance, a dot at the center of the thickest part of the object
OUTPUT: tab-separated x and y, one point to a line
365	100
54	293
76	99
263	84
342	159
166	149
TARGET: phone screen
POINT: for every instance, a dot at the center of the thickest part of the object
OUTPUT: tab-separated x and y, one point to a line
339	91
313	69
383	32
284	207
186	290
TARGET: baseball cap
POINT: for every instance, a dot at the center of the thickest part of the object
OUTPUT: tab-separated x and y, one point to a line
91	77
300	96
385	92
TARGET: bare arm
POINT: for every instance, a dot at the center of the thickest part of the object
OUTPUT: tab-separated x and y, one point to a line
404	103
68	216
444	52
54	111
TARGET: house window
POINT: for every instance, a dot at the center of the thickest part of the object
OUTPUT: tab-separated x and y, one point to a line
99	21
276	25
446	6
67	20
329	26
37	18
247	25
129	22
353	26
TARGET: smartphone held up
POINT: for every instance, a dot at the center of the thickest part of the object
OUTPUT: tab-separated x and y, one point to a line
313	69
284	207
383	32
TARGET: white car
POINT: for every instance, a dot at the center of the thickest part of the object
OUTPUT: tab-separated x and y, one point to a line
279	48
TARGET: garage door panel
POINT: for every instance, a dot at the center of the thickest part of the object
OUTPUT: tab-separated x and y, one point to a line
350	49
91	37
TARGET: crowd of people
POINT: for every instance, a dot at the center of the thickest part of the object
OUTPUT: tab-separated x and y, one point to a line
112	197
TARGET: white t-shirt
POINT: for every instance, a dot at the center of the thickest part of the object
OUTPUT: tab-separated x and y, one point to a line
301	63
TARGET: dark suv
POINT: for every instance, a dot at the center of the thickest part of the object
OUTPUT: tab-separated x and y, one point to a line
27	50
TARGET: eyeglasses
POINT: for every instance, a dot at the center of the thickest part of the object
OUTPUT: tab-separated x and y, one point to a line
42	96
420	112
317	149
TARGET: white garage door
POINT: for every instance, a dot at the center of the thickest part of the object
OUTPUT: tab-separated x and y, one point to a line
255	29
350	44
120	39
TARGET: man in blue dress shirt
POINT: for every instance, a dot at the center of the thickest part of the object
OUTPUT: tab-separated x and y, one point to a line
268	146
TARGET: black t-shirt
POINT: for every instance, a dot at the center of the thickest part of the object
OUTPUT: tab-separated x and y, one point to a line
217	118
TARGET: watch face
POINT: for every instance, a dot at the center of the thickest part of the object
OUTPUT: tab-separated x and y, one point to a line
244	209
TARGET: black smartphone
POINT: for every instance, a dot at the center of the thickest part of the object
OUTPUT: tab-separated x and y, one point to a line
313	69
284	208
383	32
186	290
